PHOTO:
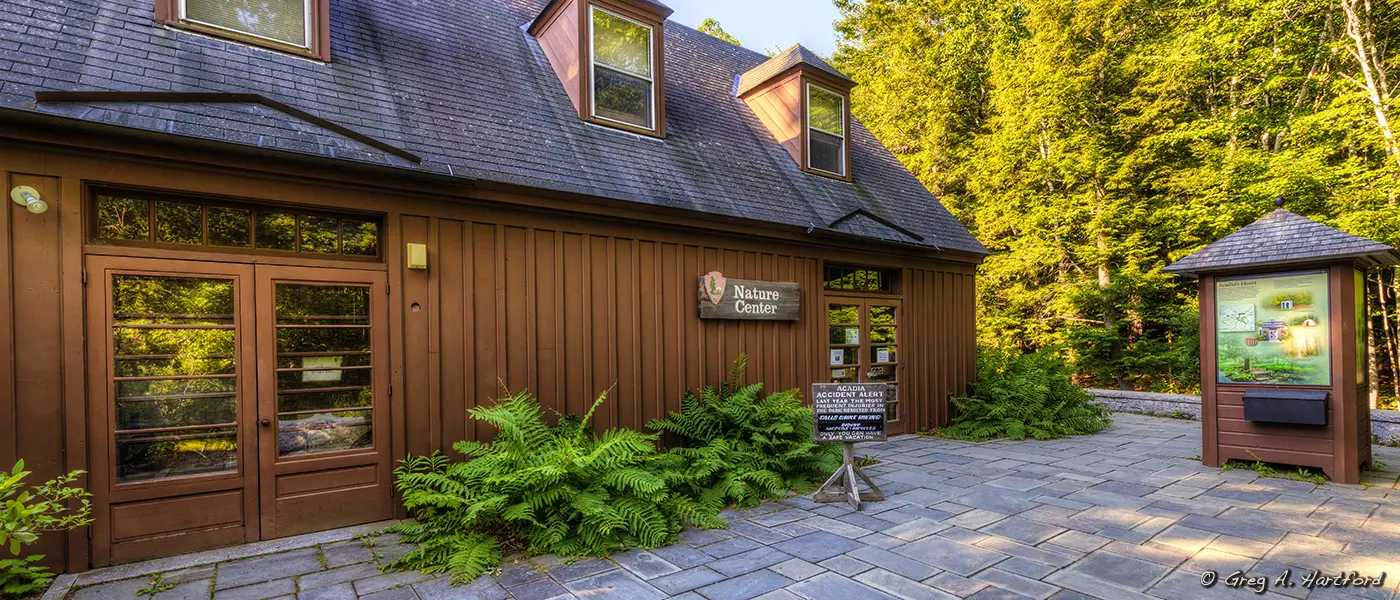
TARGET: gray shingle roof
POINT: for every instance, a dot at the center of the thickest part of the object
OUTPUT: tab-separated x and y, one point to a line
787	59
459	83
1280	238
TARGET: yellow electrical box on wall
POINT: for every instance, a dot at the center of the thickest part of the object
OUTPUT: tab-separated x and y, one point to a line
417	256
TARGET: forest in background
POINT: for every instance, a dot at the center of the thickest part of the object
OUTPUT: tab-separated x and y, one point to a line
1089	143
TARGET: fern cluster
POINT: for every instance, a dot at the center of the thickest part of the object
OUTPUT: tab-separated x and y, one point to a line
557	489
742	447
1019	395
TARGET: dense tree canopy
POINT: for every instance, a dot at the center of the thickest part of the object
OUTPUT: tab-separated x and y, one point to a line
1090	143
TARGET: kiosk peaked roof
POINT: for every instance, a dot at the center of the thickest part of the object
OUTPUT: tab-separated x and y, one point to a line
1283	238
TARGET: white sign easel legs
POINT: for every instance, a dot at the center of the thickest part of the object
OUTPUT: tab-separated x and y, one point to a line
841	486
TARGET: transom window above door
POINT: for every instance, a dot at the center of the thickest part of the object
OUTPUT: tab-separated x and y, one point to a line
122	218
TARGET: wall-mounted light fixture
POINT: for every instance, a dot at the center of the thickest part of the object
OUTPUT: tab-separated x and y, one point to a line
28	197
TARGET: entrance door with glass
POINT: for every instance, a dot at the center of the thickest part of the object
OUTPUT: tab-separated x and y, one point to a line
233	402
863	347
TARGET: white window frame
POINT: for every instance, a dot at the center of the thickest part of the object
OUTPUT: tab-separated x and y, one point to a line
593	66
845	148
306	20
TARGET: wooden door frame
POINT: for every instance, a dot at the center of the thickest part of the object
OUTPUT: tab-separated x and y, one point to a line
865	301
267	278
101	421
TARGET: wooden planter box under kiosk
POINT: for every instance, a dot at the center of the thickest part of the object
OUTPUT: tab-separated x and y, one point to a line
1283	374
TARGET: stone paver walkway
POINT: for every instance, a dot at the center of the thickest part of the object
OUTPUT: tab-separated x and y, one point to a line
1124	514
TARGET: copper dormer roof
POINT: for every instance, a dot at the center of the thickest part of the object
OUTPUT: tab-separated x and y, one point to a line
784	61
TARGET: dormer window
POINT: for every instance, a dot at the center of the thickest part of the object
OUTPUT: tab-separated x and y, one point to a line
608	54
806	105
294	26
826	131
623	88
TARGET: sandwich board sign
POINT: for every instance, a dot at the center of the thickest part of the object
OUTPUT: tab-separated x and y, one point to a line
849	413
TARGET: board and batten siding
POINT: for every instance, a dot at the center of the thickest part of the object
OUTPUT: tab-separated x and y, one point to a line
569	315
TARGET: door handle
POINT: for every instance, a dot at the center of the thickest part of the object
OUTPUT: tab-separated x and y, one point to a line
265	422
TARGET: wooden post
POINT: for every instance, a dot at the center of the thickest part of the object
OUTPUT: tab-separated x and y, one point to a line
845	487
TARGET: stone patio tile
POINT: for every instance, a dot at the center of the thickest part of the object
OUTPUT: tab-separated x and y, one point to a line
238	573
796	569
344	553
388	580
774	595
900	587
730	547
954	584
1096	588
1078	540
1185	538
1026	567
339	591
190	574
312	581
941	552
966	536
816	547
199	590
757	533
745	586
614	585
1109	499
1275	520
794	529
644	564
1006	502
1168	556
880	540
952	508
1050	555
845	565
402	593
484	588
833	526
1022	530
1106	516
1123	571
915	529
996	593
975	519
580	569
866	521
830	585
1024	586
782	516
686	580
1215	560
890	561
1124	535
1241	546
1018	483
539	590
682	556
1248	494
257	591
1124	488
752	560
1250	531
699	538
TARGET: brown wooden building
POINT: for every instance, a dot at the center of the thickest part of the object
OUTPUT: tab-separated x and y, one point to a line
254	259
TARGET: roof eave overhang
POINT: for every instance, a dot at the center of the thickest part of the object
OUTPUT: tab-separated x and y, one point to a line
1386	258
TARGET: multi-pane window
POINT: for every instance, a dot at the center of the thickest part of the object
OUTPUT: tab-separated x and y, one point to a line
826	131
282	21
123	218
624	90
856	279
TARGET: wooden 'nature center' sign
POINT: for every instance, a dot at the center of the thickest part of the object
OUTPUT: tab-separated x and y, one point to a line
746	299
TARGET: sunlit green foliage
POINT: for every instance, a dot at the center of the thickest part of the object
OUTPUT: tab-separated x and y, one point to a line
25	513
1021	396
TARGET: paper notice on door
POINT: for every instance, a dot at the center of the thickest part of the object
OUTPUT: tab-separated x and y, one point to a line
838	356
882	355
330	362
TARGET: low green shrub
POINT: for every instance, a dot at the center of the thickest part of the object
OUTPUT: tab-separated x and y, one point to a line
1020	395
555	489
741	446
26	512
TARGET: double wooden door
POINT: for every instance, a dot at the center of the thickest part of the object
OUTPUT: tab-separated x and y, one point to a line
233	402
863	347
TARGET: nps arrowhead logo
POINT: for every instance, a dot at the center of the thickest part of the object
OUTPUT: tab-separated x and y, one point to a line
712	287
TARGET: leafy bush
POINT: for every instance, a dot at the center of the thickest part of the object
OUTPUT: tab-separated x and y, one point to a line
1025	395
561	489
24	514
743	447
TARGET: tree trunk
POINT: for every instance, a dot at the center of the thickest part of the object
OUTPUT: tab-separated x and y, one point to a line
1373	80
1389	336
1373	375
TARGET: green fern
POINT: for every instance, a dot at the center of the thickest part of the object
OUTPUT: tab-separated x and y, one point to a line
743	447
563	490
1018	396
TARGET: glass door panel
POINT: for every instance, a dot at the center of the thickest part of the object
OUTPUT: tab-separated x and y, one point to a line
175	376
325	368
863	345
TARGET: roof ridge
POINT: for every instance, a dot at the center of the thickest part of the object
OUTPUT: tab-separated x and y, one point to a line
1279	238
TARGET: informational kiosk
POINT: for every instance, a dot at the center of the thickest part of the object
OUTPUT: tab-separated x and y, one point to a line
1283	344
849	413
